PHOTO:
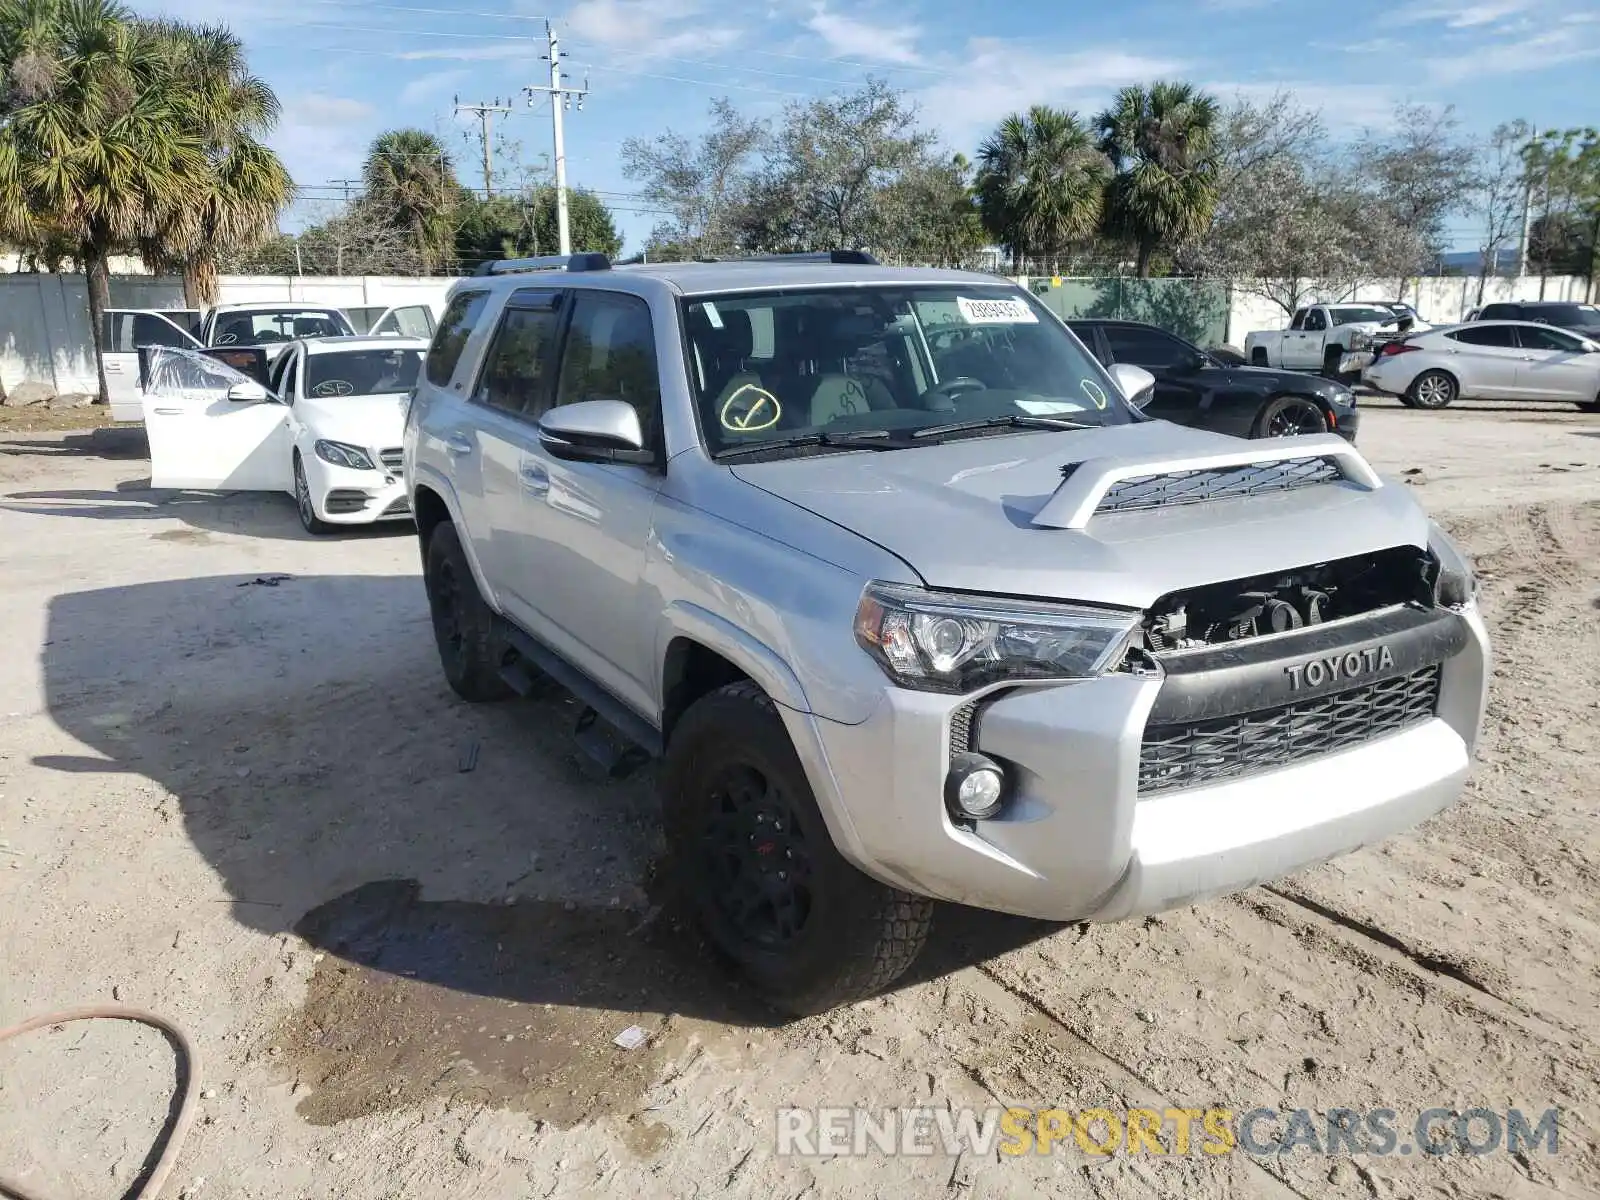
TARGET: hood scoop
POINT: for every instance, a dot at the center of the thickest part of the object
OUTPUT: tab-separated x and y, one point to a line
1119	485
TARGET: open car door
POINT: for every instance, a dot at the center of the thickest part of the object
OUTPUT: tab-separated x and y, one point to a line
212	425
124	333
404	320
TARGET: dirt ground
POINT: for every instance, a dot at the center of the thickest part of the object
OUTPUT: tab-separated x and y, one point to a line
403	932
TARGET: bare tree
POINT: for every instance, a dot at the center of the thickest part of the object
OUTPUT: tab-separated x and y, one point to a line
1499	192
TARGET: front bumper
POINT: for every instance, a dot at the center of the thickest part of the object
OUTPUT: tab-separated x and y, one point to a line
1078	840
345	496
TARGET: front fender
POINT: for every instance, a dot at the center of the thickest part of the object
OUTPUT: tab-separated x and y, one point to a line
755	658
423	475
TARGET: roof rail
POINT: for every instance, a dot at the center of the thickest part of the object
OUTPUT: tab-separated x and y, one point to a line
591	260
858	258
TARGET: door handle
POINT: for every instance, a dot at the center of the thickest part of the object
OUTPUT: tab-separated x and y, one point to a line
458	443
535	479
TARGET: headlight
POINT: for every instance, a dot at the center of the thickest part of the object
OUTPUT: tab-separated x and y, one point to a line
1456	584
1359	340
942	643
341	454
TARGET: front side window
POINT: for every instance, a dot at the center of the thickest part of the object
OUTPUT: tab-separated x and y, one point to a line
517	368
1315	321
361	372
460	319
886	361
1551	339
611	355
1148	348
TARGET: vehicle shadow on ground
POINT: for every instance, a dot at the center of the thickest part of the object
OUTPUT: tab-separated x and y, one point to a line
339	790
110	442
254	514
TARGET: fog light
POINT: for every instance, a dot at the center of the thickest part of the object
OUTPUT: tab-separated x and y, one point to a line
975	789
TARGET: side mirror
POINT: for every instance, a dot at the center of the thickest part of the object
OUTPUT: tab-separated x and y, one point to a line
1138	386
249	393
594	431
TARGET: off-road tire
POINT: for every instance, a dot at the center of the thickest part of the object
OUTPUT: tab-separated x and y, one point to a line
463	626
857	935
1311	416
1422	396
309	521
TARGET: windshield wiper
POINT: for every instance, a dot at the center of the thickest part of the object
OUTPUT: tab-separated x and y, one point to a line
1014	420
865	439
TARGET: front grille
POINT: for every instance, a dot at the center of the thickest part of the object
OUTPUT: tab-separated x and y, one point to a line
961	727
390	458
1182	756
1217	483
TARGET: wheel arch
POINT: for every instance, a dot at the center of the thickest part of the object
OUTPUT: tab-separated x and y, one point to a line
433	502
700	651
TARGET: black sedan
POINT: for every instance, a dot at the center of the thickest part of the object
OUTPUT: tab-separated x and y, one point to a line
1194	388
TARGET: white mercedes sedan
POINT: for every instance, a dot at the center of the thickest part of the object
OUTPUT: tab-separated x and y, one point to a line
326	428
1489	360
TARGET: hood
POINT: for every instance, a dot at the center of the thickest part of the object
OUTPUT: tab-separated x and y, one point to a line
375	422
971	515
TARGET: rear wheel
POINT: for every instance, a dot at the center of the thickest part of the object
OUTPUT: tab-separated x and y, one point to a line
1432	389
1290	416
758	867
463	626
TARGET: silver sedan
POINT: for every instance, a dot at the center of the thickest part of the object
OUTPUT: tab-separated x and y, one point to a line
1489	360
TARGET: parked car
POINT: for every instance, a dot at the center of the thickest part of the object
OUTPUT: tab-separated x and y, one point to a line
1336	339
1194	387
1580	318
326	428
270	326
1490	360
914	605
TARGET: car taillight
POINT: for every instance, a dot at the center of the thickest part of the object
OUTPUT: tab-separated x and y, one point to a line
1397	348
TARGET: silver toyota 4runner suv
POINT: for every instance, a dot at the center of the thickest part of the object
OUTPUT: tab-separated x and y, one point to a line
913	603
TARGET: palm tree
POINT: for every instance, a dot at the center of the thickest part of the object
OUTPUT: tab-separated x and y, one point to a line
410	178
1163	144
236	202
90	141
1041	183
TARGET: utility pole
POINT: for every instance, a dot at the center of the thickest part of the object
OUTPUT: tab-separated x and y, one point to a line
485	114
1527	207
560	98
347	185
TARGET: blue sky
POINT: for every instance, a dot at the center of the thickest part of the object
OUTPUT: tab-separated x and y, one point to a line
348	69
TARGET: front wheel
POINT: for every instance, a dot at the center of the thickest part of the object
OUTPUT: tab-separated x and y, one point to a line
759	870
1290	416
1432	389
1590	406
312	523
463	626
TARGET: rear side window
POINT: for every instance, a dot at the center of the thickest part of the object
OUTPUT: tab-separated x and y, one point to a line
1484	335
611	355
1502	312
517	369
459	321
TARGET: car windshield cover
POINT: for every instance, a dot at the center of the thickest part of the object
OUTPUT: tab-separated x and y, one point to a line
265	327
362	372
1352	314
832	363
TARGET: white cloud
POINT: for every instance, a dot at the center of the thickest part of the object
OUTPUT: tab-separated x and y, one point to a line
1345	107
646	28
435	83
322	137
484	52
1000	77
848	37
1504	57
1464	16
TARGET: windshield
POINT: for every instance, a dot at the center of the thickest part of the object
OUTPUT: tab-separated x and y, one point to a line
775	366
264	327
1573	316
362	372
1350	314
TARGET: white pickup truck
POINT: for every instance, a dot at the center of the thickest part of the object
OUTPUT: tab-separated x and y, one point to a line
1336	339
271	326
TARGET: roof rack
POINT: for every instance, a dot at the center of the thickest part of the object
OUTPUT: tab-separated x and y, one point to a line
857	258
591	260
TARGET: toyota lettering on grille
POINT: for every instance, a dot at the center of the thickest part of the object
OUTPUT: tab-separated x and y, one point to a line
1353	664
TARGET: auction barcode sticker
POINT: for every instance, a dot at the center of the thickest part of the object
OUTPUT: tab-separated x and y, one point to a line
1010	311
